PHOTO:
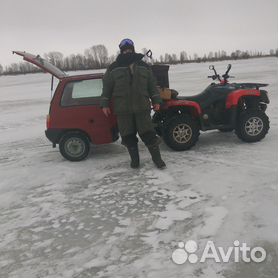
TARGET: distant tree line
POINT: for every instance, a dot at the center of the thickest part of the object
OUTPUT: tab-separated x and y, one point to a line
96	57
220	55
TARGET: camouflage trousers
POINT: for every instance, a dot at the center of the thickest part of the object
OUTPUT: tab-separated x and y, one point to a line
131	124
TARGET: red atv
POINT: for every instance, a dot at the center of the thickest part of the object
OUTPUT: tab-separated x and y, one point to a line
75	118
223	106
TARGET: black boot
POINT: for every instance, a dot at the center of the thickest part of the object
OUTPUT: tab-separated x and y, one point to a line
156	157
134	155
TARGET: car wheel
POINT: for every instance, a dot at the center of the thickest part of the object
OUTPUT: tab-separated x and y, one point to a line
74	146
181	133
252	125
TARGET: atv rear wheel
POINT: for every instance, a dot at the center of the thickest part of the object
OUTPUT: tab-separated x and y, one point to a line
252	125
74	146
181	133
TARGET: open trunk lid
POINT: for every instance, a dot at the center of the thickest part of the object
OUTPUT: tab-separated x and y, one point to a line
41	63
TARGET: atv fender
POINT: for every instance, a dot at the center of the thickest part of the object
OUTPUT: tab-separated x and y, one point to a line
175	103
264	97
234	97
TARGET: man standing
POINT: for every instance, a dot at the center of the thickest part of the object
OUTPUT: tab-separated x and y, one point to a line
130	82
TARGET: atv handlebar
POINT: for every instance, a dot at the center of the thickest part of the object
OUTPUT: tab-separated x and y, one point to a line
226	74
214	77
229	68
217	76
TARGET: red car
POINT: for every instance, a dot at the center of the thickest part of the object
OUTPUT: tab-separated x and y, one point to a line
75	118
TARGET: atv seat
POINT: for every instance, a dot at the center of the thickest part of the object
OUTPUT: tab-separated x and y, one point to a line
210	95
196	98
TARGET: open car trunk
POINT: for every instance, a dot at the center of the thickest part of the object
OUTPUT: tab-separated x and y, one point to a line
41	63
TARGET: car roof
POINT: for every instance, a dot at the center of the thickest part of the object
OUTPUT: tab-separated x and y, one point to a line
83	76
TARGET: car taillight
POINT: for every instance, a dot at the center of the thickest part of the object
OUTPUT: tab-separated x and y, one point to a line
48	121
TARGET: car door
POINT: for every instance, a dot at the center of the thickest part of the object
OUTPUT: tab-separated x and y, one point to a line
79	108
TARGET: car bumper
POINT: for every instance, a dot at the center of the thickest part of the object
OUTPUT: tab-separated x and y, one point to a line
54	135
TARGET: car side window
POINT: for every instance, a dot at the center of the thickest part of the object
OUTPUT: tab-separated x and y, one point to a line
83	92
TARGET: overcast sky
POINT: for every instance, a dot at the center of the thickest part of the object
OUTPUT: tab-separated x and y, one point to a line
196	26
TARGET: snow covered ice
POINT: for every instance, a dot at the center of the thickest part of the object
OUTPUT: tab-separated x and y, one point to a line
99	218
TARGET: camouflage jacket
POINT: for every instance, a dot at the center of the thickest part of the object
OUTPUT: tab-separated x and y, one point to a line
132	88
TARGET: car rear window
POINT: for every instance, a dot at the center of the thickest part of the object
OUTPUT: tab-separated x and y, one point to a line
82	92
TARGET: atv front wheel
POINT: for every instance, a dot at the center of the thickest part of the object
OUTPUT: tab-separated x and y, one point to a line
181	133
252	125
74	146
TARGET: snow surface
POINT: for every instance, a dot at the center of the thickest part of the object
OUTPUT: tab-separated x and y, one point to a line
99	218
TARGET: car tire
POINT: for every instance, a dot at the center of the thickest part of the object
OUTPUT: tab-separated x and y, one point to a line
181	133
252	125
74	146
